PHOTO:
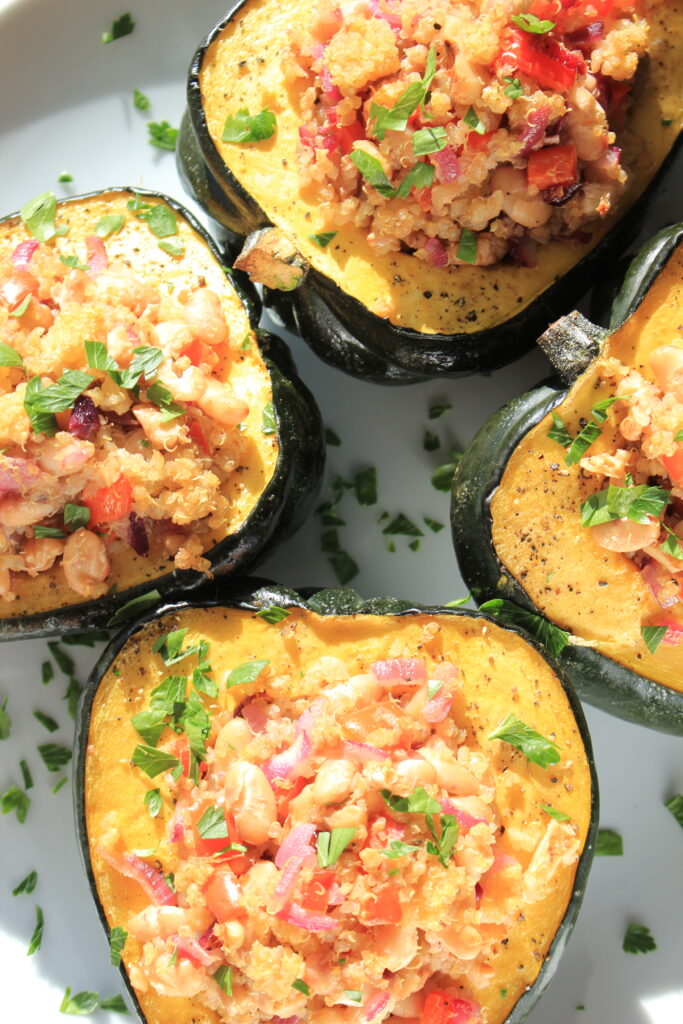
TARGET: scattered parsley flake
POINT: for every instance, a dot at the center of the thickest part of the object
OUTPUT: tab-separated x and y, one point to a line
120	27
553	813
471	119
445	840
114	1004
27	884
609	844
5	720
514	87
430	442
429	140
140	101
8	355
467	246
675	805
397	848
15	799
332	438
268	421
301	986
64	662
400	525
54	756
47	673
530	23
373	172
58	785
437	409
637	503
365	486
247	672
212	824
533	745
243	128
223	978
458	602
353	995
432	524
152	802
38	215
136	606
172	246
551	636
396	118
558	432
46	720
345	567
331	845
638	939
324	238
26	774
37	937
79	1005
274	614
653	636
162	135
417	802
154	762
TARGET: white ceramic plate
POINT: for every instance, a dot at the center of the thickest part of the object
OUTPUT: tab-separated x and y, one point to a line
65	105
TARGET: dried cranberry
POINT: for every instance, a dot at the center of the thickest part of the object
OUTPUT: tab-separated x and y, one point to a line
137	535
84	419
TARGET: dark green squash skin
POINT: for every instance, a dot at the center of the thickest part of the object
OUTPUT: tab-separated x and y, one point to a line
279	512
597	679
342	331
254	594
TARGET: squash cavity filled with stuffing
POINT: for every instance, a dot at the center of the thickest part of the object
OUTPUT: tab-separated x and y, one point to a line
333	811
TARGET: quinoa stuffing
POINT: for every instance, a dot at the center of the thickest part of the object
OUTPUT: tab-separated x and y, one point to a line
467	132
118	428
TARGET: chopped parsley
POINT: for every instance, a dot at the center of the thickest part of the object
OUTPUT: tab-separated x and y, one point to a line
37	937
471	119
417	802
170	646
247	672
54	756
420	175
58	785
331	845
19	311
162	135
41	403
152	802
140	101
530	23
672	544
27	884
365	485
64	662
433	524
47	673
637	503
155	762
533	745
47	531
429	140
332	438
458	602
65	178
373	172
467	246
353	995
223	978
172	246
26	775
114	1004
550	635
160	396
443	841
638	939
46	720
160	219
120	27
558	432
76	516
5	720
442	477
38	215
653	636
437	409
400	525
301	986
268	420
274	614
136	606
553	813
243	128
324	238
396	118
15	799
117	941
514	87
609	844
430	441
212	824
79	1005
397	848
675	805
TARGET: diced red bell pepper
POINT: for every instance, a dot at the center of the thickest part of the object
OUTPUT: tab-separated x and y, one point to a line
238	862
222	895
316	894
197	352
15	289
548	69
442	1008
423	197
284	794
674	465
553	165
383	906
348	134
197	434
110	503
478	143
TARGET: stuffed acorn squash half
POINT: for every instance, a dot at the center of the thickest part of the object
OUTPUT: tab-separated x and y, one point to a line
433	186
150	435
570	503
332	810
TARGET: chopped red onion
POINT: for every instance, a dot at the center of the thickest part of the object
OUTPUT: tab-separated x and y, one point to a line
407	670
537	122
23	254
151	880
309	921
447	165
375	1005
96	255
438	256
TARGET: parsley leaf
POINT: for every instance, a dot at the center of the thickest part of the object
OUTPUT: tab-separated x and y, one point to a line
140	101
397	848
47	531
402	526
57	397
532	744
212	824
22	307
268	422
418	802
353	995
420	175
8	355
396	118
76	516
273	614
27	884
638	939
365	486
530	23
152	802
154	762
37	936
80	1004
672	544
444	842
247	672
430	441
653	636
675	805
162	135
468	246
437	409
54	756
15	799
117	941
39	216
223	978
46	720
331	845
332	438
120	27
5	721
65	178
429	140
301	986
554	814
433	524
636	503
609	844
160	396
550	635
136	606
471	119
114	1004
243	127
514	89
170	646
558	432
160	219
373	172
323	239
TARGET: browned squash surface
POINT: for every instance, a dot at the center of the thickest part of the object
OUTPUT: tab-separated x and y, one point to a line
598	595
242	68
137	247
501	675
